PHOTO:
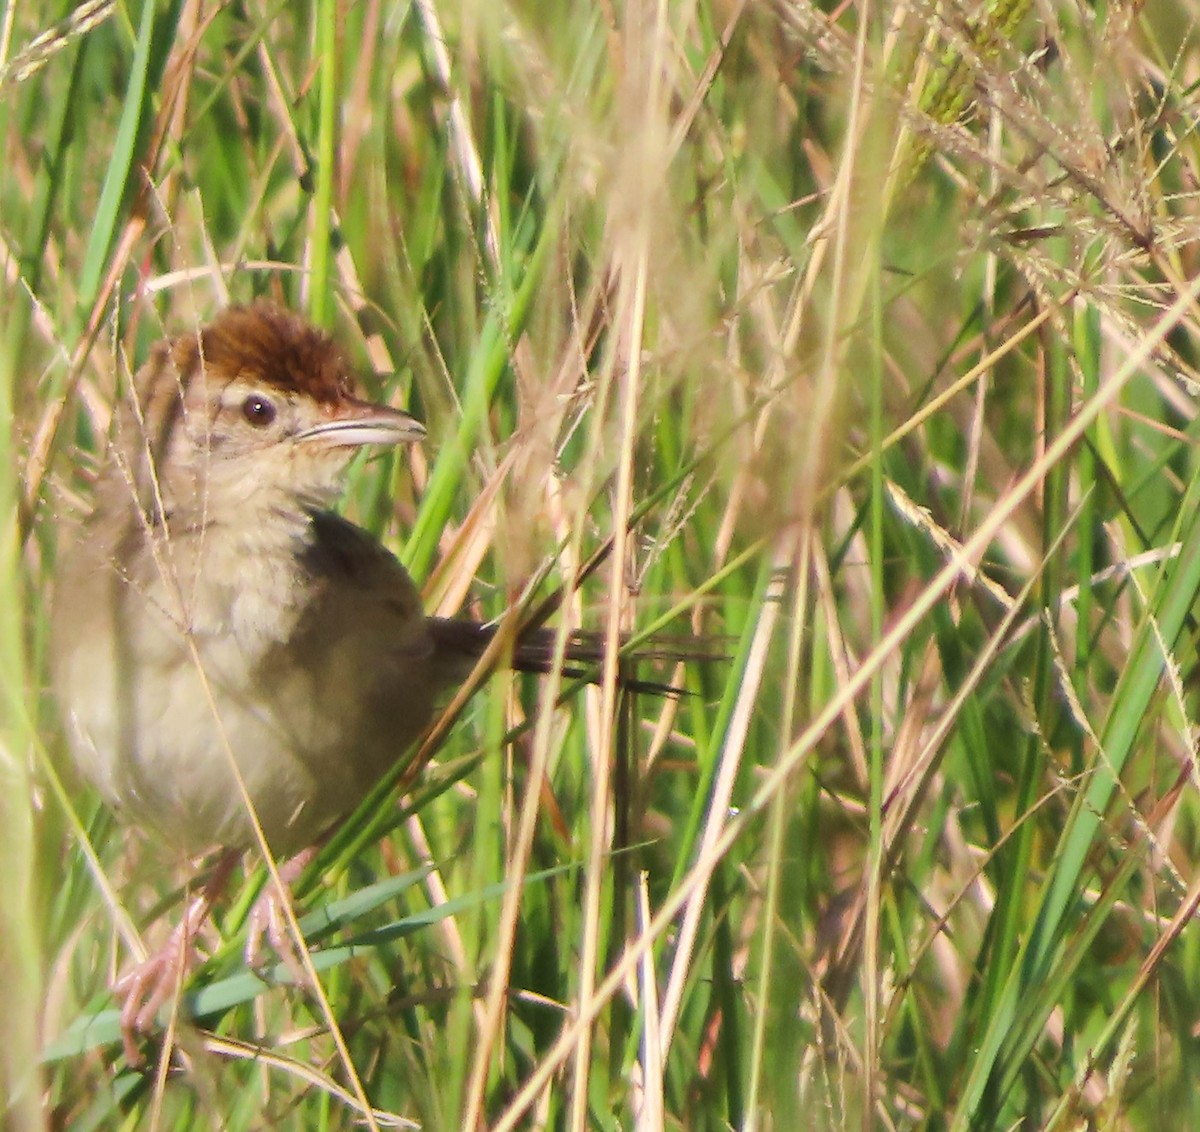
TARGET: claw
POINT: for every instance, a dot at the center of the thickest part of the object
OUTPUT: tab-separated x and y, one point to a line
158	978
155	980
149	984
267	920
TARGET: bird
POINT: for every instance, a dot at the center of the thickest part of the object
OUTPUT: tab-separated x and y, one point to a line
215	619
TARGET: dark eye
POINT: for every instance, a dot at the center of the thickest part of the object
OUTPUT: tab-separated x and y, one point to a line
258	410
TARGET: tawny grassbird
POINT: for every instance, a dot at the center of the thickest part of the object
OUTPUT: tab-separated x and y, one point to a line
212	610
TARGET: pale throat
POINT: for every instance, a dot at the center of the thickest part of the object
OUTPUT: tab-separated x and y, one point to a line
242	576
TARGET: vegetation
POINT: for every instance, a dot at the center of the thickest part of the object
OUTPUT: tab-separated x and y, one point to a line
863	336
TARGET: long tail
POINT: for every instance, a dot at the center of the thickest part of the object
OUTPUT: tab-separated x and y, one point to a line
534	651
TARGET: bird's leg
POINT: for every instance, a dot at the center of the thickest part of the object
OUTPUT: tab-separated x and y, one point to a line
268	919
157	978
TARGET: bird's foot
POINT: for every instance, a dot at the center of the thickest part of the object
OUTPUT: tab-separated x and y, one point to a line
268	921
155	980
159	977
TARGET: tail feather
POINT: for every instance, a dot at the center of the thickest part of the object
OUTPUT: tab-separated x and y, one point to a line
534	651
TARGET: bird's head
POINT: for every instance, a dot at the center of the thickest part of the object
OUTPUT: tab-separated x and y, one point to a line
257	409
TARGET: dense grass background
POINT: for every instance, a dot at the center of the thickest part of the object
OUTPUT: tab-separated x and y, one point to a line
869	335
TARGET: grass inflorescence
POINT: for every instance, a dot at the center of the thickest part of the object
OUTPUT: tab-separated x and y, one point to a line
860	339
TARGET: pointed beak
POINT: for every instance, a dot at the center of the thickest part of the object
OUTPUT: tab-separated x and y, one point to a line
354	424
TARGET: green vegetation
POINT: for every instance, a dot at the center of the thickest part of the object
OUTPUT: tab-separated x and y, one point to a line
870	347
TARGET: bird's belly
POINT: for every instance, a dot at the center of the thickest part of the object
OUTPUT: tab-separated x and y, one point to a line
160	749
297	704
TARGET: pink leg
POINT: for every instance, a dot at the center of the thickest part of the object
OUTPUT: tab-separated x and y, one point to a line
157	978
267	920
